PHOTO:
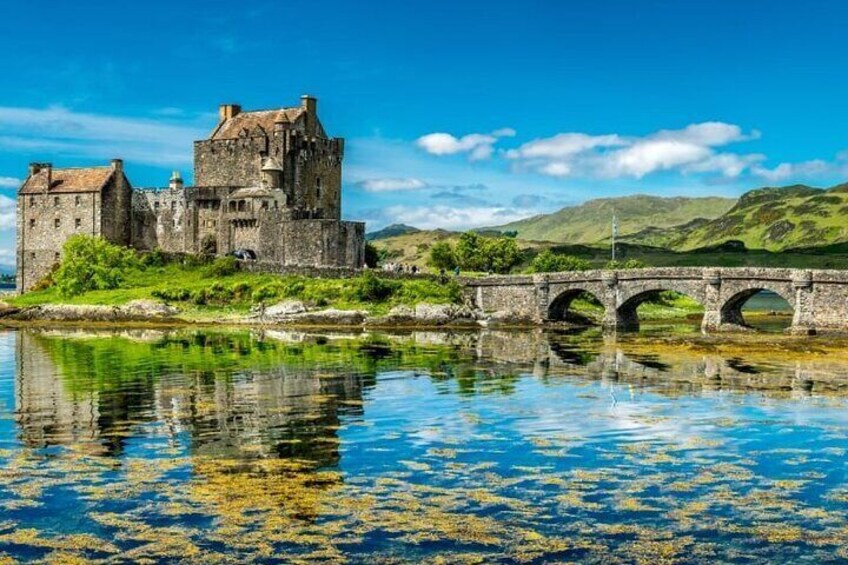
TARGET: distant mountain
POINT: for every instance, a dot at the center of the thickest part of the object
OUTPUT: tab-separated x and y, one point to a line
393	230
771	218
591	221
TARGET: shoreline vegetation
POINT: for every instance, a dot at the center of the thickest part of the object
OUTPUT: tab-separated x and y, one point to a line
101	283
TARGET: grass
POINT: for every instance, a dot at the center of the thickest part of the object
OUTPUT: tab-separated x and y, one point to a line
200	295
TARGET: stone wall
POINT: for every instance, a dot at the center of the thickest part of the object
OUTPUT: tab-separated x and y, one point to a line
45	222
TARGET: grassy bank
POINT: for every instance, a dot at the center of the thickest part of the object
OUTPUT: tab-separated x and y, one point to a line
209	291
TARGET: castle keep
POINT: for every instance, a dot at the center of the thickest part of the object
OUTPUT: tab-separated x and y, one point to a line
267	181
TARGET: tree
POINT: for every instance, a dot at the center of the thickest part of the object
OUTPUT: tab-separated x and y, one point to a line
477	253
442	256
469	252
92	263
373	256
501	253
549	262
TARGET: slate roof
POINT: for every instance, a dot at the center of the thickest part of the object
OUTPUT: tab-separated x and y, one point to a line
232	128
84	179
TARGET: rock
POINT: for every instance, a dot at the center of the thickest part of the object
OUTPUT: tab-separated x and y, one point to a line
329	317
433	314
506	318
397	316
7	310
146	309
284	310
137	310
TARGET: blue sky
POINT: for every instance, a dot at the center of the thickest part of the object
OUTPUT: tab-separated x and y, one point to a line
456	114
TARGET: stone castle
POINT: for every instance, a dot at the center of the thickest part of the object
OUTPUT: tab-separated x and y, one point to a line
266	181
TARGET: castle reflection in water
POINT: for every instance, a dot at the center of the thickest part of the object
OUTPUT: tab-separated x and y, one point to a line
284	394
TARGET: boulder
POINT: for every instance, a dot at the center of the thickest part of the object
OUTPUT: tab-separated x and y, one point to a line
397	316
433	314
146	309
506	318
329	317
282	310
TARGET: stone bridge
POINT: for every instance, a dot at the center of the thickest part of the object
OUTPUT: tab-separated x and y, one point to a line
819	297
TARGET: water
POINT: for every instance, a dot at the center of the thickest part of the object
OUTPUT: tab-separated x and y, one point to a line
482	448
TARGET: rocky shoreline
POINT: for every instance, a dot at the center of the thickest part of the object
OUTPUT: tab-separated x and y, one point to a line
288	313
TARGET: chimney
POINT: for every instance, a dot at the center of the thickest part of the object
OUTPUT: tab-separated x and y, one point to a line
227	111
49	168
309	103
34	168
118	165
176	181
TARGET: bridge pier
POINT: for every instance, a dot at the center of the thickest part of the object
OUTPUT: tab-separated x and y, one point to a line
803	319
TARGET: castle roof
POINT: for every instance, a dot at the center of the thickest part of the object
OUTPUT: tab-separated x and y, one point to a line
83	179
248	121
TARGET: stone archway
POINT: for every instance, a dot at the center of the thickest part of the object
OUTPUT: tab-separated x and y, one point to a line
730	312
559	307
626	315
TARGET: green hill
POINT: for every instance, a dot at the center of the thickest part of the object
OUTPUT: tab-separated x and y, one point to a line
393	230
772	218
591	222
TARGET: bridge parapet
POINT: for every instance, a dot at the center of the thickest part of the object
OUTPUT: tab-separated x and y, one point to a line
819	297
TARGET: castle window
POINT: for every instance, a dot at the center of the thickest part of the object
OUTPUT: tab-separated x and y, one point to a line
264	204
57	223
32	200
317	187
241	205
77	200
56	201
56	256
78	223
32	223
32	255
173	206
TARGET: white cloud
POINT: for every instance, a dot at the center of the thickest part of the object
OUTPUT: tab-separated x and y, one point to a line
392	184
9	182
448	217
479	146
57	130
690	149
803	169
563	145
7	213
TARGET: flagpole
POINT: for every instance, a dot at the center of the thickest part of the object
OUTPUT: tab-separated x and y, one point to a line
614	233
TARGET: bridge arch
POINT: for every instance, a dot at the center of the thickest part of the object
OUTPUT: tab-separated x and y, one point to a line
559	307
626	315
730	311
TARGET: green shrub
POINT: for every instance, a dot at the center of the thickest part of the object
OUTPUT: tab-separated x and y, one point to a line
155	258
172	294
92	263
221	267
368	287
624	265
549	262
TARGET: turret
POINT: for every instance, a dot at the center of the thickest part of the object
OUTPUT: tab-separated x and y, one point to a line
272	173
